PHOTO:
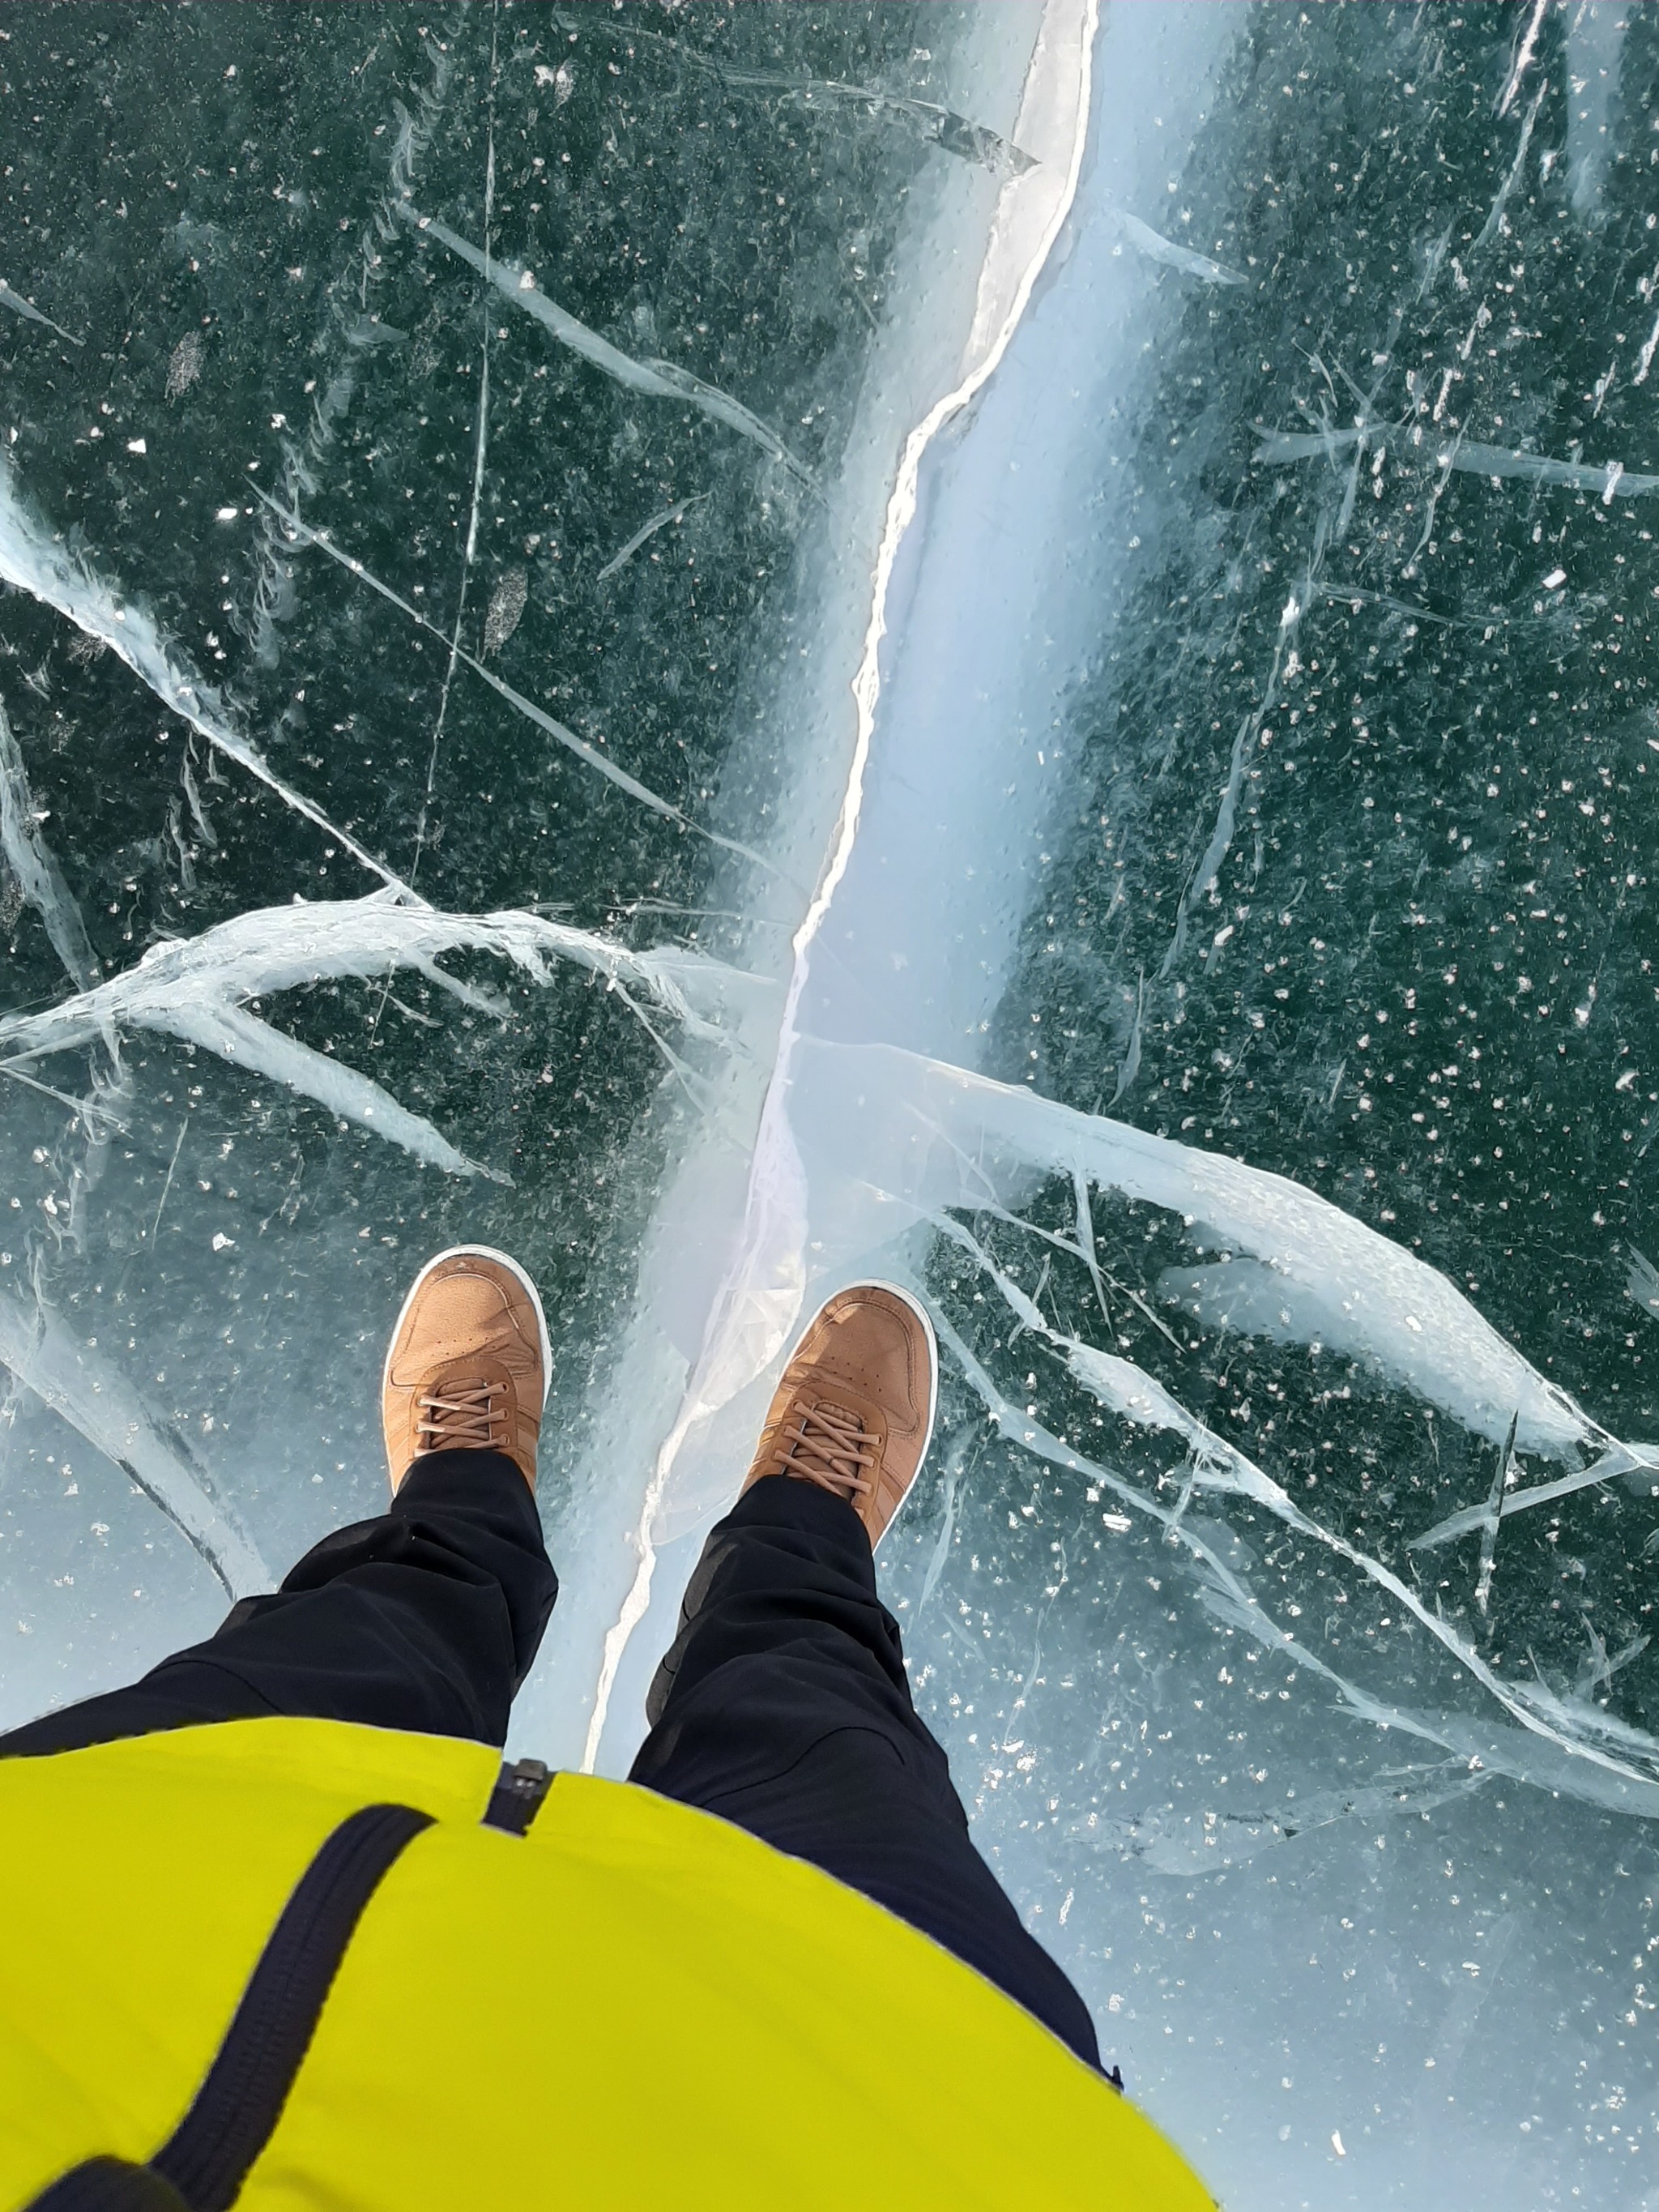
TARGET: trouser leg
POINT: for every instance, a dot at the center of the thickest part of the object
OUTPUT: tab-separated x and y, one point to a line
783	1706
426	1618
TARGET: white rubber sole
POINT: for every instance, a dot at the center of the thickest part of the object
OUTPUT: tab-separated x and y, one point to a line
502	1260
910	1299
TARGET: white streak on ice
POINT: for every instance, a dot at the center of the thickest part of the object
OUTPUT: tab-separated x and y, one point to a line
1209	867
939	126
1641	1281
589	755
35	562
94	1117
1225	1594
1595	41
653	379
1354	596
1617	1461
1610	479
968	1139
648	531
1131	1067
166	1184
1225	821
754	1307
95	1399
1157	247
1493	1520
1489	228
1218	1465
20	306
358	334
1345	1287
193	799
1523	55
1312	1272
37	873
196	991
481	446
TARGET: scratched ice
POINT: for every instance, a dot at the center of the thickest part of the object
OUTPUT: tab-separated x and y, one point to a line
736	648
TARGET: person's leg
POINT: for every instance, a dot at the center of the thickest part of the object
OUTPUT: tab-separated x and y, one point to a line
783	1706
425	1619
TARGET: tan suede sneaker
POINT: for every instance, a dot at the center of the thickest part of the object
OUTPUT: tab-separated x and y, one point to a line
854	1409
467	1368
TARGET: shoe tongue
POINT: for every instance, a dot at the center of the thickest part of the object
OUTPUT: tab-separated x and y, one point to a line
463	1412
840	1409
822	1387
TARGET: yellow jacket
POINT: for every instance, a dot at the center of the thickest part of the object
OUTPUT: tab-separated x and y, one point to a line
634	2004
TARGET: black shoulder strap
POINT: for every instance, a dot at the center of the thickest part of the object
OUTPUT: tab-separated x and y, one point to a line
203	2163
109	2184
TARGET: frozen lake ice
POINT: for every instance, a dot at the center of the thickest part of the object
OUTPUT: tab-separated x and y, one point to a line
1007	646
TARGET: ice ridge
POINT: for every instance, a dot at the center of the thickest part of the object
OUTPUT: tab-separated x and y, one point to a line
760	1292
198	990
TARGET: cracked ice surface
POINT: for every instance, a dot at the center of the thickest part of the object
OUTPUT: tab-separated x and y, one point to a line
1024	664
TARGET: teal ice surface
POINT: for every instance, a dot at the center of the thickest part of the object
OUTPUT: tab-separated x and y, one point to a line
447	479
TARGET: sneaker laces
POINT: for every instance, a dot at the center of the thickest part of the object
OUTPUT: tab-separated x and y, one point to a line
828	1446
462	1416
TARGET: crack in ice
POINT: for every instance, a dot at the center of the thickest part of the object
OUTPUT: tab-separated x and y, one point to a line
775	1166
359	333
938	126
43	1352
1610	479
39	876
648	531
469	550
1523	55
1489	227
1219	1466
34	562
20	306
588	754
652	379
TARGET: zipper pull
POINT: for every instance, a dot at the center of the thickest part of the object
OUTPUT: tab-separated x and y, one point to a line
514	1801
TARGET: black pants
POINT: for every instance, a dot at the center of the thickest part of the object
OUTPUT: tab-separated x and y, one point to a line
782	1704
